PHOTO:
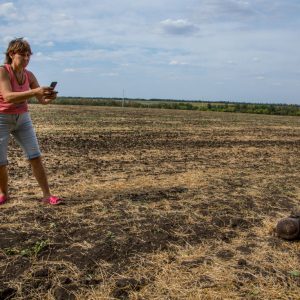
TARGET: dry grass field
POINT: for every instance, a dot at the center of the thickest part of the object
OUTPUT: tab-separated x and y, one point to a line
159	204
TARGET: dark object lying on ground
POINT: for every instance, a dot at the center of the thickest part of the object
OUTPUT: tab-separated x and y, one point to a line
289	228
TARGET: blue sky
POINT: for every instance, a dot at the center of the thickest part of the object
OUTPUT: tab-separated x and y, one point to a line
231	50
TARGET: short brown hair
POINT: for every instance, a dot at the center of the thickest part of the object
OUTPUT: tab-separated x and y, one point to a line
18	45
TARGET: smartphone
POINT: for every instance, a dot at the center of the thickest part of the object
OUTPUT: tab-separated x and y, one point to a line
53	84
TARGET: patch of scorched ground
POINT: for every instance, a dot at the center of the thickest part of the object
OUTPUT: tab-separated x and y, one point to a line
159	204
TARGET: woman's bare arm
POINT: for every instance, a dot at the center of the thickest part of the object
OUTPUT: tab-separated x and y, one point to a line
19	97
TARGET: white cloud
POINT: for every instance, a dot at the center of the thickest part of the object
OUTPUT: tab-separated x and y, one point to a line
231	62
178	27
49	44
8	10
63	20
70	70
176	62
41	57
79	70
109	74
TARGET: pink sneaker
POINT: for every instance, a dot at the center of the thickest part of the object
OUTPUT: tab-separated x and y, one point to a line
3	199
53	200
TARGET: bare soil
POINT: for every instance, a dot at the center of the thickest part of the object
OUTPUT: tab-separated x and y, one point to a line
159	204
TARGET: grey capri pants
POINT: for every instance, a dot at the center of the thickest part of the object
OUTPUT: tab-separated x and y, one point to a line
20	126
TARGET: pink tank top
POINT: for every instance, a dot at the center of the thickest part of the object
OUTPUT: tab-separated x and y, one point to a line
12	108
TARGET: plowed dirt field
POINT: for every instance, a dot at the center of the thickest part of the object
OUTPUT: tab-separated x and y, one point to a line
159	204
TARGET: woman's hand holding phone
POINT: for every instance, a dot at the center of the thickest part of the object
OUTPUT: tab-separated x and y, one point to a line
47	99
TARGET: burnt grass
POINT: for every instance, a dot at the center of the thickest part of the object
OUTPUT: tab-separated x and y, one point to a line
139	182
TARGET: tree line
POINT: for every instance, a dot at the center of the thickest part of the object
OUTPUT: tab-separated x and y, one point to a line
254	108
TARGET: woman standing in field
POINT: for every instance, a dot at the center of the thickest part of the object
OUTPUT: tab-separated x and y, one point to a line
17	85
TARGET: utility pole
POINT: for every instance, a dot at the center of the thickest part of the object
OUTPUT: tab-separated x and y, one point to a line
123	98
